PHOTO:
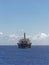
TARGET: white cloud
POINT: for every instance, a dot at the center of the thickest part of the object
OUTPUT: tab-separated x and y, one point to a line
40	39
12	37
1	33
43	36
40	36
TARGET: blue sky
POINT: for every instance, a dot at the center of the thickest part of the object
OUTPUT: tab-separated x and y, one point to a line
31	16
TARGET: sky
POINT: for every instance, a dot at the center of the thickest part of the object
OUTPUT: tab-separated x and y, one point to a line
29	16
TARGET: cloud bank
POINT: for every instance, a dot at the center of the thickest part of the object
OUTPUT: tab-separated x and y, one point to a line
40	36
36	39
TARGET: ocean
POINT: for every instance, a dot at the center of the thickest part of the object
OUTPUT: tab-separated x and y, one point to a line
36	55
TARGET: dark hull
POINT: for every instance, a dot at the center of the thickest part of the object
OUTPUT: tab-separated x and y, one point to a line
24	45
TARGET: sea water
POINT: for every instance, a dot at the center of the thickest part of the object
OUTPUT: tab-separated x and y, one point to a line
36	55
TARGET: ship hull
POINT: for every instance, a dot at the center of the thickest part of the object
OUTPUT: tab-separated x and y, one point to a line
24	45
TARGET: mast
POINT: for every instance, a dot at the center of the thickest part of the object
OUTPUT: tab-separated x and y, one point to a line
24	36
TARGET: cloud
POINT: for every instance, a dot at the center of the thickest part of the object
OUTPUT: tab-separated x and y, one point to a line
34	37
12	37
40	37
43	36
1	33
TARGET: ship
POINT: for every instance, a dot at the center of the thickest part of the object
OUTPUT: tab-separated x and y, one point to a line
24	42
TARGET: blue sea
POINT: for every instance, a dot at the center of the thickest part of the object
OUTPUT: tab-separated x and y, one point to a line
36	55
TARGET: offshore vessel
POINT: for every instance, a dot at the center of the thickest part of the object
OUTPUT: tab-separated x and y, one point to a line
24	42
